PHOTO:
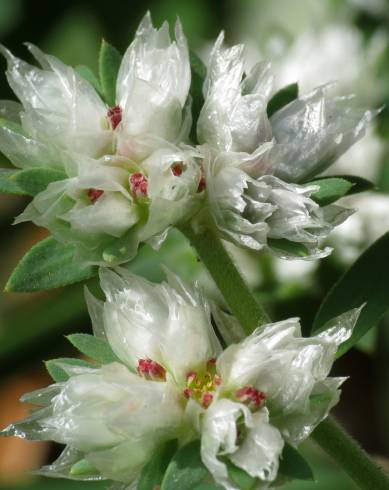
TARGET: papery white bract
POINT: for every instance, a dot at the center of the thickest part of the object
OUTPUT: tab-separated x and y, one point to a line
174	381
246	154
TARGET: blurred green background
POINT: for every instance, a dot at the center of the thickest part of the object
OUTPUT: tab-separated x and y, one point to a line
322	39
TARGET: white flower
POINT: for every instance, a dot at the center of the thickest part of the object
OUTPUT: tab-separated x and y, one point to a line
246	154
173	381
126	180
62	113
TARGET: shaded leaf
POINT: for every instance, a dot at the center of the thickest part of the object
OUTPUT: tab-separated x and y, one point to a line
93	347
242	479
87	74
35	180
48	264
109	64
282	98
7	183
185	470
152	473
366	281
288	247
294	465
58	373
331	189
198	71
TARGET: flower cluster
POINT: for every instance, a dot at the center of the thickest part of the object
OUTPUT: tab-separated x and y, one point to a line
173	380
130	171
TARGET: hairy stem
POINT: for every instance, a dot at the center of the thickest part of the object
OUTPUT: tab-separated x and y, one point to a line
329	435
350	456
231	284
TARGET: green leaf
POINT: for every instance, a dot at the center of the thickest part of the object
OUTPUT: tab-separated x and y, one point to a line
337	186
152	473
242	479
185	470
198	71
109	64
331	189
293	465
93	347
48	264
291	248
58	373
87	74
35	180
8	184
282	98
366	281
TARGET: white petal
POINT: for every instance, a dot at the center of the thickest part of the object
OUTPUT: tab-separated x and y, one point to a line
260	450
96	312
219	436
10	110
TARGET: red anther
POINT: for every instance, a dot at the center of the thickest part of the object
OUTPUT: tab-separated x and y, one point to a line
177	168
249	394
138	185
217	380
188	392
207	399
114	115
211	362
151	370
94	194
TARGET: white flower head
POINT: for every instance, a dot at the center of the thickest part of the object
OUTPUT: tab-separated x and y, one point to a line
253	165
172	380
127	175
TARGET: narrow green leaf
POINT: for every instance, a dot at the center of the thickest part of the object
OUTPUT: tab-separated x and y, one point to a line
87	74
366	281
359	184
152	473
109	64
282	98
7	182
58	373
199	72
186	470
293	465
331	189
93	347
288	247
48	264
32	181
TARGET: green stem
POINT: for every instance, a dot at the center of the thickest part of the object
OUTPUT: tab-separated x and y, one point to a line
329	435
228	279
350	456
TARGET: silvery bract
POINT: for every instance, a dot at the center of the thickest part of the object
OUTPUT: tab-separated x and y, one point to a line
174	381
125	178
246	154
